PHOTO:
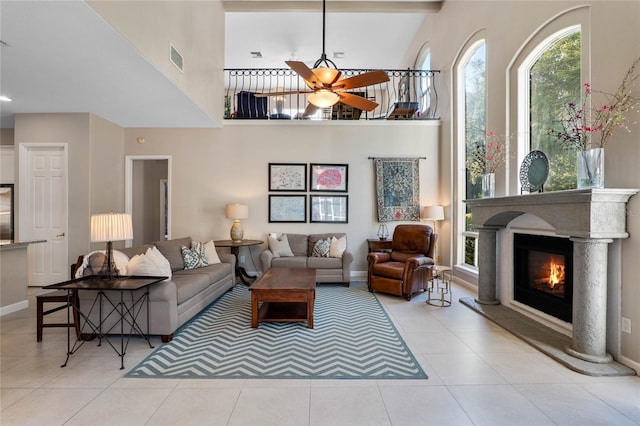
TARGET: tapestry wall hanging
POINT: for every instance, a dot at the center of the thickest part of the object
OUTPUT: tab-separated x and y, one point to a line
397	188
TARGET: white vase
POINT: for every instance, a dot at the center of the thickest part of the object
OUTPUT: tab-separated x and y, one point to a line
488	185
591	168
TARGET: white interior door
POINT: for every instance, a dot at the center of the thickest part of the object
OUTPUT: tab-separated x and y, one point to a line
43	211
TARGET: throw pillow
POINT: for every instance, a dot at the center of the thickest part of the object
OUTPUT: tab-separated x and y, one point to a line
210	251
280	246
149	264
321	248
164	267
195	258
338	246
92	263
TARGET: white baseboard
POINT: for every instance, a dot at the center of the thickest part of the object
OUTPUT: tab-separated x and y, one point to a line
24	304
629	363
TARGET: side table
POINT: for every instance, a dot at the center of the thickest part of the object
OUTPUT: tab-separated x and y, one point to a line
375	244
235	250
440	283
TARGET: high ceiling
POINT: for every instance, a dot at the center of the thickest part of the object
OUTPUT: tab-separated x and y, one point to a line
63	57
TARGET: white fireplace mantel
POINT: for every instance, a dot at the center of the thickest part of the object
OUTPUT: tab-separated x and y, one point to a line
592	218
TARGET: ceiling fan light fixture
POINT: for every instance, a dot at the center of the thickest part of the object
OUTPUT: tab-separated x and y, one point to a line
323	98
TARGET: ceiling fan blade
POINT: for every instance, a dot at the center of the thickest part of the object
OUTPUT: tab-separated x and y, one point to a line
361	80
310	110
290	92
357	101
303	70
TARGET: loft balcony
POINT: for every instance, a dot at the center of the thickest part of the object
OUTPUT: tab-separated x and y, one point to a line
408	95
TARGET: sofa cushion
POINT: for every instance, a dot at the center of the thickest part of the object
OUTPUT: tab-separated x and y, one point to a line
189	285
280	246
324	263
171	250
298	244
214	272
321	248
289	262
338	246
194	258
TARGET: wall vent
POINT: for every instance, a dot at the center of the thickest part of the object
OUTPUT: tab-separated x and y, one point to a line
176	58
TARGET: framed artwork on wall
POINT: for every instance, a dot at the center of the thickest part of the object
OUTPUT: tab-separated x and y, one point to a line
287	177
287	208
329	209
329	177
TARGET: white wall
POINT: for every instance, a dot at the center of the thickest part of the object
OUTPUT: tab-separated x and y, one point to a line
612	31
213	167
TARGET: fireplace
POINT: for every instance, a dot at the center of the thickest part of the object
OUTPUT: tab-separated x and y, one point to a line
543	274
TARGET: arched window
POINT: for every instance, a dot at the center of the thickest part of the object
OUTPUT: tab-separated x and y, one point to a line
548	79
471	120
425	82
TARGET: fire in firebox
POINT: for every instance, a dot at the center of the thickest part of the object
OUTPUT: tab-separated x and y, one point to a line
549	275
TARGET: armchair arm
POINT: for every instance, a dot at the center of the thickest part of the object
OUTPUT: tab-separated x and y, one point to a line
377	257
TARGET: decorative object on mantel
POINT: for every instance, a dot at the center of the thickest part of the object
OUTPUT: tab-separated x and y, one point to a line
582	122
397	188
485	159
383	232
534	172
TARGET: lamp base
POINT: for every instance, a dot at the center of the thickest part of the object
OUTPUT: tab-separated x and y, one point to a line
109	270
237	233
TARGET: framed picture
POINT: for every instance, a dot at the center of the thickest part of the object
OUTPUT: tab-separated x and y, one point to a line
329	208
329	177
287	208
287	177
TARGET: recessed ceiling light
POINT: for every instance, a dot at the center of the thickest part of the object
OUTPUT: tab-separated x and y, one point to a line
256	55
338	55
5	99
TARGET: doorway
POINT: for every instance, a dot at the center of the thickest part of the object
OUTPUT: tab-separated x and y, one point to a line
148	197
43	209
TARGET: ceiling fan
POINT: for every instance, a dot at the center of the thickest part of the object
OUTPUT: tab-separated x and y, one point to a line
326	85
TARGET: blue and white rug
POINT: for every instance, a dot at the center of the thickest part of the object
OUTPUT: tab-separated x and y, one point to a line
353	338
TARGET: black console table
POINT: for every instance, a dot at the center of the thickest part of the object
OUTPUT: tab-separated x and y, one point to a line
125	314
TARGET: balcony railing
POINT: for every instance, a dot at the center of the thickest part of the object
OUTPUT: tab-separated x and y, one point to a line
408	95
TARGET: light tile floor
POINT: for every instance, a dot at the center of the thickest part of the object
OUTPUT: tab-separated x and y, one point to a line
478	374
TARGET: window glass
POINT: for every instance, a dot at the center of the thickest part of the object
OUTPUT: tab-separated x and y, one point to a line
554	81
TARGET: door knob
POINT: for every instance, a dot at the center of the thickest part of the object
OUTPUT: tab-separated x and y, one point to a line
60	235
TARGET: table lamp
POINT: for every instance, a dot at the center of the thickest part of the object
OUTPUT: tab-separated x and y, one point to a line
110	227
237	212
434	213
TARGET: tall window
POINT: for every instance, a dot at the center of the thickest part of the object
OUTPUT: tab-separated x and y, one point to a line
552	73
425	89
472	99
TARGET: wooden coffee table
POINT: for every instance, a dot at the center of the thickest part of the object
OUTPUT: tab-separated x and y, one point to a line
283	295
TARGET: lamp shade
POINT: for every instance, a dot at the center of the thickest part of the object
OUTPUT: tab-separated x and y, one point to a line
237	211
433	213
111	227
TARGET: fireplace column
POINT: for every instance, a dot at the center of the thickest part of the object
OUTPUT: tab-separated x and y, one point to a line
590	300
487	264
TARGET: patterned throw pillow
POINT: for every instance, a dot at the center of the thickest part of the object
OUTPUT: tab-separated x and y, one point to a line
196	258
321	249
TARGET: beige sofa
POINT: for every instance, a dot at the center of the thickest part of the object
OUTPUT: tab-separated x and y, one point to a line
172	302
328	269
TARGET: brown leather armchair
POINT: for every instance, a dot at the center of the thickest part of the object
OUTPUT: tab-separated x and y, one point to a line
406	269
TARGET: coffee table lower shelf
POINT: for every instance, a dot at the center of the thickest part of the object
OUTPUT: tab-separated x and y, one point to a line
283	312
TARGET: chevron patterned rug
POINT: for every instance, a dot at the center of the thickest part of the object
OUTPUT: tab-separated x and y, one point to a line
353	338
